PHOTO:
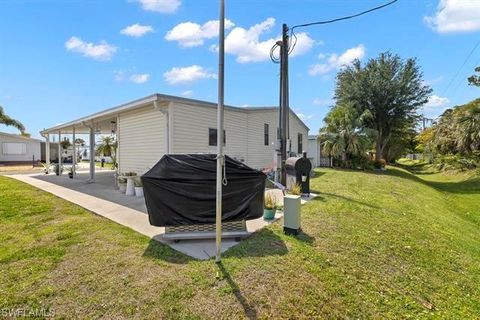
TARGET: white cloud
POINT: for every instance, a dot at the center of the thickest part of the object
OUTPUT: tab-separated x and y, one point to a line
102	51
304	117
247	46
187	74
187	93
189	34
139	78
455	16
323	102
161	6
136	30
335	61
435	101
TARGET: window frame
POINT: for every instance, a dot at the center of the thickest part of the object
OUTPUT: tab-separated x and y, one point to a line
266	134
300	143
214	131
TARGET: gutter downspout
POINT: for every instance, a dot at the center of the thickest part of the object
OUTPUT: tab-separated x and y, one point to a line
167	115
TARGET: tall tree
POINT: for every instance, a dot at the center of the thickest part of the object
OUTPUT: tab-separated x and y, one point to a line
6	120
390	88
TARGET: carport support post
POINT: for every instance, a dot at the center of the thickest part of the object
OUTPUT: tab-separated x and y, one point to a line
92	155
47	153
74	156
59	153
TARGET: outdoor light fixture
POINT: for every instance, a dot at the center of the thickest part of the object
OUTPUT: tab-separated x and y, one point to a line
113	126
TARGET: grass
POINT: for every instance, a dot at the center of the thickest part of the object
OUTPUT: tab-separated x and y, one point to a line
375	245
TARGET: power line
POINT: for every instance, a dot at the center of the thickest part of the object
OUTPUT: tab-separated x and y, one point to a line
461	67
292	32
343	18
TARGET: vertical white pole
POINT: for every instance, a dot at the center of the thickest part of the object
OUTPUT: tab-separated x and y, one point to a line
47	152
74	156
92	155
59	153
220	158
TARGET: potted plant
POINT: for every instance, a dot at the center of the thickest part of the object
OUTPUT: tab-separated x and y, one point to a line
46	167
138	187
296	189
122	184
70	173
269	207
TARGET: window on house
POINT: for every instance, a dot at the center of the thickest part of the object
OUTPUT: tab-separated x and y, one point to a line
265	134
300	143
14	148
212	137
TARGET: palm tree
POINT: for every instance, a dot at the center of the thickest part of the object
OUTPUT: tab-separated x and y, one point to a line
106	146
344	134
6	120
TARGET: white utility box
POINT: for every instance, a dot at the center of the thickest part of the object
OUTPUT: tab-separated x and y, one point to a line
291	214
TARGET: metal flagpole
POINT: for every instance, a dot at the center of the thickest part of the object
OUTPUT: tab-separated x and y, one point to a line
220	158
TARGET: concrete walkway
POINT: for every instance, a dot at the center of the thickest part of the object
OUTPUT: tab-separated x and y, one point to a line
96	198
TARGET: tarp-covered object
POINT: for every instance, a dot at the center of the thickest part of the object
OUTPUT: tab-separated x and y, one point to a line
180	190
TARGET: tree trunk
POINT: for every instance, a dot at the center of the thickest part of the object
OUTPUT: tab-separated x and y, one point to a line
379	149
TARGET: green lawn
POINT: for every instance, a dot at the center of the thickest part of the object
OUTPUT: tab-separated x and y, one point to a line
376	245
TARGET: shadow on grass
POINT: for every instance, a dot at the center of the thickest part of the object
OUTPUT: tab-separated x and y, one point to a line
469	186
320	197
160	251
248	309
262	243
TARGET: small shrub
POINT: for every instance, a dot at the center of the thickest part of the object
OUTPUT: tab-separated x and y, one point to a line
269	203
296	189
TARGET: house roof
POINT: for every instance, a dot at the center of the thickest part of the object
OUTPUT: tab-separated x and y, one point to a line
151	99
17	136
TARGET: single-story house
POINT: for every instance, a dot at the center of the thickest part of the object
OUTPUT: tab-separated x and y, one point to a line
316	154
159	124
18	149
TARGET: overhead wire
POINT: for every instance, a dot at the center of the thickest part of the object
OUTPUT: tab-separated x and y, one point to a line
291	46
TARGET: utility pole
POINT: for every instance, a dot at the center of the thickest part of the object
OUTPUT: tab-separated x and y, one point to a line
284	101
220	157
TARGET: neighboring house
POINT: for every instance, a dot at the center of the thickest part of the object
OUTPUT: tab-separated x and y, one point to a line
314	153
148	128
17	149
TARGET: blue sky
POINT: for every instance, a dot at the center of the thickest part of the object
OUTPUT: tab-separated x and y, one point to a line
61	60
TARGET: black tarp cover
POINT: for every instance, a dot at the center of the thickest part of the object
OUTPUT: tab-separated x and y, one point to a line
180	190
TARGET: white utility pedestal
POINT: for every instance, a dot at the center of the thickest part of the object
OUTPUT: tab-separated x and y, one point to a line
130	186
291	214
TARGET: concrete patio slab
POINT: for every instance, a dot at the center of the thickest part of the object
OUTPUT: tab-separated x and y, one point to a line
102	199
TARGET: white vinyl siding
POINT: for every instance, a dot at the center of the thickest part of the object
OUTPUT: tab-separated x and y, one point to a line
14	148
259	155
296	127
191	126
141	139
